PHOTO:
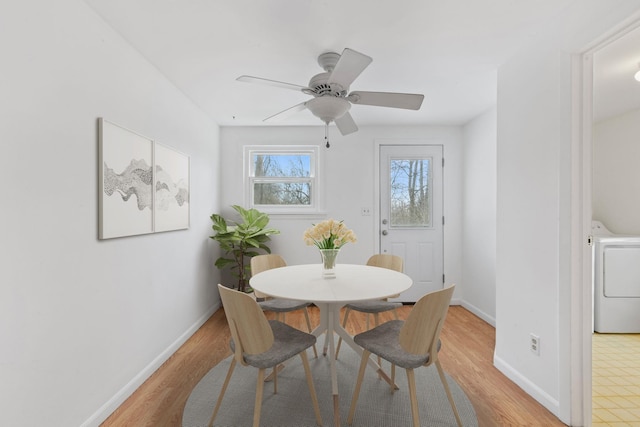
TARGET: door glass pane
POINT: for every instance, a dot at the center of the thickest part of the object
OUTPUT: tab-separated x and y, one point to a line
410	185
282	193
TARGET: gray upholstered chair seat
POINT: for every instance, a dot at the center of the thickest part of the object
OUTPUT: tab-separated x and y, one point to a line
281	305
375	306
287	343
384	341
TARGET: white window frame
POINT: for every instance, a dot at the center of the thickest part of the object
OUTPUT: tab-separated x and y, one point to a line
250	179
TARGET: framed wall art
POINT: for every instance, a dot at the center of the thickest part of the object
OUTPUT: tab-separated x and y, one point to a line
171	189
125	169
143	185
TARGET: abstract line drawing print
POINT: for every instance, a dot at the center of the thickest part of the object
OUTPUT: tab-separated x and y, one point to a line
135	180
126	178
171	189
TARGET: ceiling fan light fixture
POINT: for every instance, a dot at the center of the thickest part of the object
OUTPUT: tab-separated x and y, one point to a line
330	90
328	108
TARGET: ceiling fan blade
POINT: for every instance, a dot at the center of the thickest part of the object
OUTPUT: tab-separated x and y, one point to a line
345	124
350	65
286	113
409	101
260	80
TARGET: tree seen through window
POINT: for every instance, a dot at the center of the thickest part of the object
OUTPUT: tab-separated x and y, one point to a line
410	187
282	179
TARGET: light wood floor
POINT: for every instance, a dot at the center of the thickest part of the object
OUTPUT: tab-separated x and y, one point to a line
467	355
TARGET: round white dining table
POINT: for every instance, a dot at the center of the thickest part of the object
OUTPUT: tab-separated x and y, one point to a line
351	283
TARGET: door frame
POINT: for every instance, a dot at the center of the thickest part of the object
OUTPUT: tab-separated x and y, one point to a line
582	214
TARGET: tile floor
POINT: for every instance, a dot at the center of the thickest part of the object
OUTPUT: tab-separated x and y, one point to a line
616	380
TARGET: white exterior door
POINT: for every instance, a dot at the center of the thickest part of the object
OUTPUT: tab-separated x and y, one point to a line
411	219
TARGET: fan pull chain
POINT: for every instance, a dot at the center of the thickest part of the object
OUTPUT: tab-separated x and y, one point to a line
326	133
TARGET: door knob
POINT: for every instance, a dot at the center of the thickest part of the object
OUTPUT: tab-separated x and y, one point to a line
385	232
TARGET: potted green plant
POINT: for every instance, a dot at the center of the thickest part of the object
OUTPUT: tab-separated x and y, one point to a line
241	241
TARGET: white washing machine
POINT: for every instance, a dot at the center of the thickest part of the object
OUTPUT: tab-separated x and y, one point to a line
616	277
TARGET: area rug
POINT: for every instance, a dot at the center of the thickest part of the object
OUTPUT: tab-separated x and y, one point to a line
291	406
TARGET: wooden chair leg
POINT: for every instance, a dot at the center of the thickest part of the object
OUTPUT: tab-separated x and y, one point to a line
306	316
376	322
312	389
344	326
414	399
393	377
275	379
354	400
393	367
258	405
448	391
224	388
273	373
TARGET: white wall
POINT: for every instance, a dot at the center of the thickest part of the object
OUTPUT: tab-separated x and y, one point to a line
83	321
479	216
349	185
534	258
616	176
529	139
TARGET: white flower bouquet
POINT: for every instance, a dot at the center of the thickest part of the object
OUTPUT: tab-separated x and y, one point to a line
329	234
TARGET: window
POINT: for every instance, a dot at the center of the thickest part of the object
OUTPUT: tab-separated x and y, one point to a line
410	183
282	179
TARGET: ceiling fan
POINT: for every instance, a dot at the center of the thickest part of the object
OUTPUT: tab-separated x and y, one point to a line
330	90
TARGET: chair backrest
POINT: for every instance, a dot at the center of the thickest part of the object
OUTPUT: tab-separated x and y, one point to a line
421	331
261	263
249	327
392	262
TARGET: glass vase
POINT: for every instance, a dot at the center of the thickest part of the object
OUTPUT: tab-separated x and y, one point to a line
329	257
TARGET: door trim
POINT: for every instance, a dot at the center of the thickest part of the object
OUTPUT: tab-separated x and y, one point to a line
582	164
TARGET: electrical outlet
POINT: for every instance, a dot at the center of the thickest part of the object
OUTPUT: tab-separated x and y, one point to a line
534	344
365	211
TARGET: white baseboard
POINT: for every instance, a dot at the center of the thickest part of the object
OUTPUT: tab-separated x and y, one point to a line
481	314
118	399
530	388
524	383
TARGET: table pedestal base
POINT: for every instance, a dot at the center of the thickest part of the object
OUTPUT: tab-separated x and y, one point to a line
330	324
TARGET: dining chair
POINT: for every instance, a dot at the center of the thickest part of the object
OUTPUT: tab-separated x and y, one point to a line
261	343
409	344
279	306
392	262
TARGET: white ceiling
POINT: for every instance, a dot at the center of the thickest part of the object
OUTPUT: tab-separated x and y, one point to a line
447	50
